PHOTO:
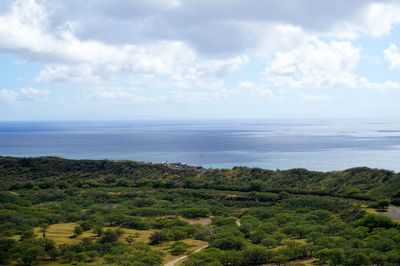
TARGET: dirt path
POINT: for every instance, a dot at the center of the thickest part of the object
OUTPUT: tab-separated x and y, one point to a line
393	212
177	260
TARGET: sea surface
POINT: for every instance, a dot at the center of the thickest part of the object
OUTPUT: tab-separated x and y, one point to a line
274	144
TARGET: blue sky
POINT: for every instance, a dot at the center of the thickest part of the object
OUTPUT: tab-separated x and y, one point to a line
105	60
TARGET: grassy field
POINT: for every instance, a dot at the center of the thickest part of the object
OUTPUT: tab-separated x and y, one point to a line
63	234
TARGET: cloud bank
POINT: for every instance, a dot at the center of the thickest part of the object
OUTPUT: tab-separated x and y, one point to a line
187	51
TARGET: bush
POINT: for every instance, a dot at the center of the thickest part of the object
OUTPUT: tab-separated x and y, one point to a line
85	225
178	248
109	236
157	238
138	223
229	242
257	255
195	212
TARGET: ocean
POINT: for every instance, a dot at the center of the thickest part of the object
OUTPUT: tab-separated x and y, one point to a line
273	144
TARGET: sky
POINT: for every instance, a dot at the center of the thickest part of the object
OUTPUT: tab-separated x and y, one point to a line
185	59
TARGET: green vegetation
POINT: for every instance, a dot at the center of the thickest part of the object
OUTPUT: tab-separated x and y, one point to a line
55	211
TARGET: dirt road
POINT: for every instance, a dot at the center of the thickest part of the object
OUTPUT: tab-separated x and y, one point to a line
175	261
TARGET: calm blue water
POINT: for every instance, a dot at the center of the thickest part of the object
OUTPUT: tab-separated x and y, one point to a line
283	144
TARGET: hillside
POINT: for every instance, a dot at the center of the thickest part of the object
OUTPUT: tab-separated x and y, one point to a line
359	183
57	212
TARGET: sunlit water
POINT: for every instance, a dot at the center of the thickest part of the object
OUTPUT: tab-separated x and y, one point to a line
283	144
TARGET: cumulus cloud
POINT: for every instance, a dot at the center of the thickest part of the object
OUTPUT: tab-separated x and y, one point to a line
392	56
198	23
316	64
380	18
374	19
188	49
320	64
87	30
26	30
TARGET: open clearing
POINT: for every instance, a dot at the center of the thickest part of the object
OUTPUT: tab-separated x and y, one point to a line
61	234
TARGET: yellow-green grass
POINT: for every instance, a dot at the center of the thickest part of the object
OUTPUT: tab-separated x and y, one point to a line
98	261
192	246
370	210
309	262
140	235
61	234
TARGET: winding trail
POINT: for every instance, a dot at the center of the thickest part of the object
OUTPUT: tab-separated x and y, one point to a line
175	261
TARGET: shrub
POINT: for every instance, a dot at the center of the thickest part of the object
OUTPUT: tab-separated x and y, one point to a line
195	212
229	242
157	238
178	248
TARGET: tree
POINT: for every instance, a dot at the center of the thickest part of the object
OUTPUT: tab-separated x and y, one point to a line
78	230
298	230
98	229
178	248
377	258
269	242
86	225
280	258
229	242
119	231
157	238
257	255
334	255
195	212
27	234
109	236
6	245
358	258
29	251
256	185
383	204
43	229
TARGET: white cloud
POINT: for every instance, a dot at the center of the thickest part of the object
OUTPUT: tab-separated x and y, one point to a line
323	65
379	18
186	49
25	30
387	85
65	73
220	68
8	96
33	94
315	64
392	56
374	19
24	94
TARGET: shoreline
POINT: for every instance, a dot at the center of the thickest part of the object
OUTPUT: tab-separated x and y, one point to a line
184	165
